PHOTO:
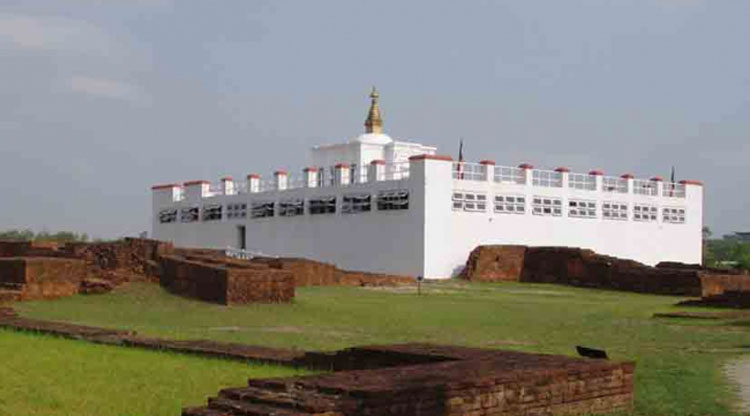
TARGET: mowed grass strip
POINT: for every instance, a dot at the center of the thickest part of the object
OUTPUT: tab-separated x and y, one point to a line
44	375
679	362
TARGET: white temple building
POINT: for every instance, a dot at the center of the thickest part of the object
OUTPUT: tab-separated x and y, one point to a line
382	205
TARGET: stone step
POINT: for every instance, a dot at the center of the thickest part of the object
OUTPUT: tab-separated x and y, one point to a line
302	400
240	408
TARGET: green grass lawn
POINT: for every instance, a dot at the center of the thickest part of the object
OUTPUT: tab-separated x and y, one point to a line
679	362
44	375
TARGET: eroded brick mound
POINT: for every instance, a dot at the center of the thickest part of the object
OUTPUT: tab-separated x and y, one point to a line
578	267
414	379
121	260
31	278
225	282
495	263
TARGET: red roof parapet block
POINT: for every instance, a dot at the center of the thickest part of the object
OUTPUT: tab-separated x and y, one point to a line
526	166
310	169
341	165
689	182
431	157
562	169
378	162
280	172
486	162
165	186
253	176
657	179
192	183
627	176
596	172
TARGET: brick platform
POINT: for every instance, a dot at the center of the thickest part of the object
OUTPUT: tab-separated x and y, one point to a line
422	379
30	278
225	282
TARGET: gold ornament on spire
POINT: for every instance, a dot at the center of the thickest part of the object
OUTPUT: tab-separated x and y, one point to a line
374	124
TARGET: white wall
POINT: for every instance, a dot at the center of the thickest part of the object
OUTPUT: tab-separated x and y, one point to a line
376	241
451	235
430	238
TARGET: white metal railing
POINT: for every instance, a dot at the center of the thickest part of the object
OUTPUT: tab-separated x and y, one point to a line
673	190
546	178
469	171
582	181
240	187
614	184
397	171
241	254
507	174
645	187
359	174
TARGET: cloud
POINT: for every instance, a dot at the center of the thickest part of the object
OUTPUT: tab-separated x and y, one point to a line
52	33
107	88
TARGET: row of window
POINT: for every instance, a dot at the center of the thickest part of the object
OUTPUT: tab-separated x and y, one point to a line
350	204
577	208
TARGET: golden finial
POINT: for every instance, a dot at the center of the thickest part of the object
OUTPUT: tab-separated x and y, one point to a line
374	124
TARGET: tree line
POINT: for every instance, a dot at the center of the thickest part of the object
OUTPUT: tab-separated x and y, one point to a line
30	235
725	253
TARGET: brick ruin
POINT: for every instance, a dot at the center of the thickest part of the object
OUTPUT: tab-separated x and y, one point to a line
34	270
585	268
202	274
26	278
225	282
405	379
424	379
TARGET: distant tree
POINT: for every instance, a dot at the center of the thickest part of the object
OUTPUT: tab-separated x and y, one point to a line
17	235
29	235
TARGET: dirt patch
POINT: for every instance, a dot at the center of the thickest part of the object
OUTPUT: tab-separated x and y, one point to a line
738	372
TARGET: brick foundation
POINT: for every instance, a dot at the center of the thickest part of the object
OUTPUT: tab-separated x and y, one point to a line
578	267
225	283
422	379
405	379
41	278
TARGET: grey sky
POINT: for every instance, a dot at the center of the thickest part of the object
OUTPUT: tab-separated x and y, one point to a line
101	100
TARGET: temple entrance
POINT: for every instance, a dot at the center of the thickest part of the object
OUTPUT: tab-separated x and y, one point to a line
241	237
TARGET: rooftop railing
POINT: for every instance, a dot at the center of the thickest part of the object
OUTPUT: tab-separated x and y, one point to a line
507	174
469	171
546	178
614	184
479	172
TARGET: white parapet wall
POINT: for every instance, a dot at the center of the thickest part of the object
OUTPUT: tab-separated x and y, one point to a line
372	225
423	217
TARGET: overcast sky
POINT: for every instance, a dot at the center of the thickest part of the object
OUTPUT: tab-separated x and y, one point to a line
99	100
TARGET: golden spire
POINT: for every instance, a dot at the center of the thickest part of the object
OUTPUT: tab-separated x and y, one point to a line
374	124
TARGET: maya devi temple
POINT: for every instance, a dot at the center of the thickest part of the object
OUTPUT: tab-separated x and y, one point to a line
378	204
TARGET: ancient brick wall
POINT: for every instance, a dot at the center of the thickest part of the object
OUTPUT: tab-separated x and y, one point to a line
423	379
495	263
121	260
225	284
40	277
578	267
718	284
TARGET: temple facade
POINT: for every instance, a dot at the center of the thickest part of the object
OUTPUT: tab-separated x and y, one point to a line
377	204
